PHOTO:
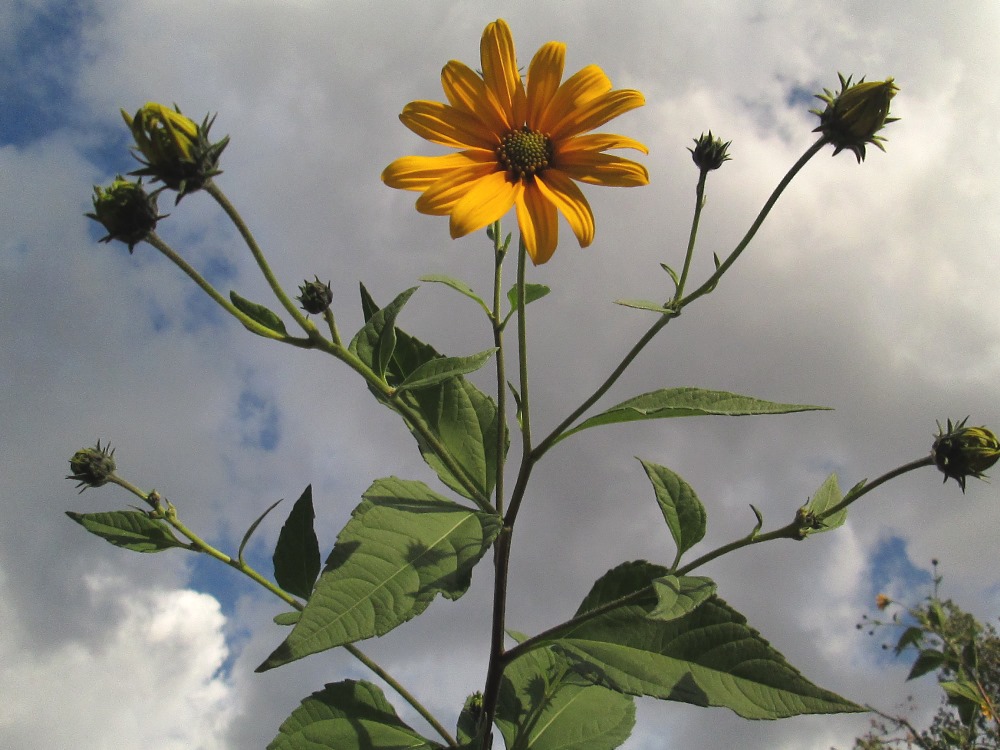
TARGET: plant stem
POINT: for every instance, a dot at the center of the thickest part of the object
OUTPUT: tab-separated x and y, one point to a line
166	510
692	236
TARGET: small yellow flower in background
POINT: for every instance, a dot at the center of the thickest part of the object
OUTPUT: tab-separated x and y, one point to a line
522	144
854	115
173	148
882	601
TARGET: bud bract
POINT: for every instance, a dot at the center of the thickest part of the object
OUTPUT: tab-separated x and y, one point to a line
853	117
174	150
961	451
126	211
92	467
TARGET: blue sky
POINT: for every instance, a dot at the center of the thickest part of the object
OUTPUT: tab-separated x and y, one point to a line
871	289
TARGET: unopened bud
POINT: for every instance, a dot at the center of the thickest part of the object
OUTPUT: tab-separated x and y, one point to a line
92	467
709	152
961	451
316	296
125	210
853	116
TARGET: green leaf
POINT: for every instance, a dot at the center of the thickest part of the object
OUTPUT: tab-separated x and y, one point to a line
459	286
375	343
687	402
545	705
709	657
673	274
403	545
468	719
252	529
532	293
463	418
438	370
642	304
682	510
928	661
676	597
287	618
826	497
910	637
258	313
348	715
296	556
131	529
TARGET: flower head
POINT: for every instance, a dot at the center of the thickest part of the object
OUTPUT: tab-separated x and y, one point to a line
961	451
315	296
125	210
92	467
522	144
174	149
882	601
709	152
853	116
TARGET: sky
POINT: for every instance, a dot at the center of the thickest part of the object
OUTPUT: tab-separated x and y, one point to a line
872	289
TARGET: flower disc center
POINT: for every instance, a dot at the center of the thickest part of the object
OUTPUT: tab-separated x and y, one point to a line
525	152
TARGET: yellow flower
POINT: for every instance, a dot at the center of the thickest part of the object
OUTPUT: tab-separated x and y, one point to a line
853	117
882	601
522	144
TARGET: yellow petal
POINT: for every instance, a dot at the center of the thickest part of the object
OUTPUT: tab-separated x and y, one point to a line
596	112
579	88
562	192
499	62
598	142
539	224
420	172
467	91
603	169
444	124
442	196
544	76
487	200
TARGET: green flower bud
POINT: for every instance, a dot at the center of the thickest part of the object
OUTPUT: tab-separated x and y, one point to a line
316	296
709	152
127	212
174	150
854	115
961	451
92	467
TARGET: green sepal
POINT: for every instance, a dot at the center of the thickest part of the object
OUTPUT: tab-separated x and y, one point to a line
404	545
129	529
258	313
438	370
544	704
296	556
348	715
708	657
686	402
682	510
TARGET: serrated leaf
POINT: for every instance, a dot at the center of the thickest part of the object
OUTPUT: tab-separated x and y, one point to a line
375	343
687	402
287	618
644	304
682	510
258	313
129	529
927	661
545	705
464	419
403	546
827	496
296	556
709	657
348	715
459	286
676	597
438	370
